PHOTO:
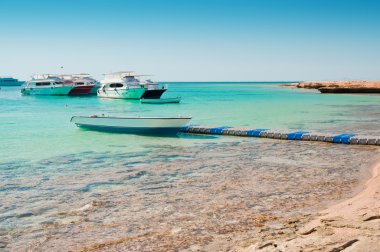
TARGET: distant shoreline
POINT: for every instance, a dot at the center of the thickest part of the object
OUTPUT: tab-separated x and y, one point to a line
360	86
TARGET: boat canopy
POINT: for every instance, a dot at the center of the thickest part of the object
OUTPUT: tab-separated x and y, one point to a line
119	75
63	76
124	76
50	79
43	76
74	76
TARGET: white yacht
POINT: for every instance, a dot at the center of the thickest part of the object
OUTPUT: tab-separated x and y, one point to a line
121	85
154	90
45	84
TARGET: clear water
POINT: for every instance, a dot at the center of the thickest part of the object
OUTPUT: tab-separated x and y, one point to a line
35	127
55	177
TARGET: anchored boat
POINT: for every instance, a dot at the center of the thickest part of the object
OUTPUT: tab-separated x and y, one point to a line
45	84
9	81
83	83
121	85
128	85
154	90
161	101
134	125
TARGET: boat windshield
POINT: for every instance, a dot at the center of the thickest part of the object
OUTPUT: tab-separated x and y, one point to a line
116	85
42	83
131	79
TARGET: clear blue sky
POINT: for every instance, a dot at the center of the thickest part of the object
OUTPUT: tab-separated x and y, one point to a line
193	40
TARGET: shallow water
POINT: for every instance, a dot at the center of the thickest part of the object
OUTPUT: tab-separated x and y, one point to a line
62	187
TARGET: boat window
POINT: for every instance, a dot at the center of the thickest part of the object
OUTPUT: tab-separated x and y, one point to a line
80	83
59	83
116	85
42	83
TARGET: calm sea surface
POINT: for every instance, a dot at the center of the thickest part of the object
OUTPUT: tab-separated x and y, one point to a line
70	189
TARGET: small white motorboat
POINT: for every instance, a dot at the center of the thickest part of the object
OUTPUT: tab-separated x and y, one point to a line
162	100
134	125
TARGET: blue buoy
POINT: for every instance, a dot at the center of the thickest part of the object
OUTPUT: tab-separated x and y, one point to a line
255	132
296	135
342	138
218	130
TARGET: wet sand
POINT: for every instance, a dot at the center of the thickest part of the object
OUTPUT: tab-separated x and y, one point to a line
352	225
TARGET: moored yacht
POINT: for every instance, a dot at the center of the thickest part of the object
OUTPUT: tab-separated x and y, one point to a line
9	81
45	84
121	85
154	90
83	83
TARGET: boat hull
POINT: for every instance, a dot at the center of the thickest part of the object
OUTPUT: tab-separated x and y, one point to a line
161	101
61	90
153	94
94	90
81	90
129	93
133	125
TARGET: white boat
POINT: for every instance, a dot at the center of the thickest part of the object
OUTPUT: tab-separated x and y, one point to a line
161	101
121	85
154	90
46	85
136	125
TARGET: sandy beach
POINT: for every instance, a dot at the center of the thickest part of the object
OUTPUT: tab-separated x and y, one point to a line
352	225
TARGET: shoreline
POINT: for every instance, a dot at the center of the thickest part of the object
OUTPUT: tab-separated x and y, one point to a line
358	86
352	223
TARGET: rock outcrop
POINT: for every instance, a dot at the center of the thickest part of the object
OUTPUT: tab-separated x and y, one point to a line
342	86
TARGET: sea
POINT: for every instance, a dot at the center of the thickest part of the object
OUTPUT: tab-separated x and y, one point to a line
63	188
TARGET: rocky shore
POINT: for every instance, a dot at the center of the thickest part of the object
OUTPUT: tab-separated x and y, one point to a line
340	86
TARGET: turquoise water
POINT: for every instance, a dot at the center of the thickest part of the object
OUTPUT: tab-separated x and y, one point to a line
35	127
64	187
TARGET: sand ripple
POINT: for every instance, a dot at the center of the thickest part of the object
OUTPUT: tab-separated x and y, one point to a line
206	197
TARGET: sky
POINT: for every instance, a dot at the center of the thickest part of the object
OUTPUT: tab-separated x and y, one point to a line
193	40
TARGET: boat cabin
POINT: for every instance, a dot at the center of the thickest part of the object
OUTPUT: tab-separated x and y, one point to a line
45	82
84	81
